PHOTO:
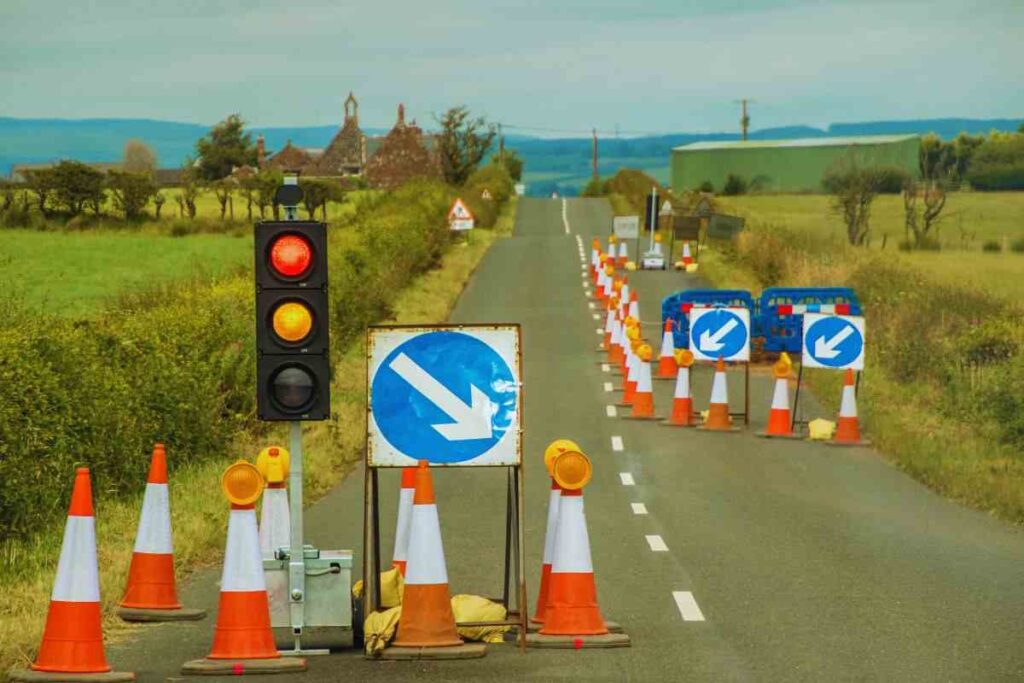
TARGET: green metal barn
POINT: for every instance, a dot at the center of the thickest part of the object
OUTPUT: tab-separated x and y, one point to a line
787	165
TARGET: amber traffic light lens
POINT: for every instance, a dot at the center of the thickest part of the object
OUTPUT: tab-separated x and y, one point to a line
291	256
292	388
292	321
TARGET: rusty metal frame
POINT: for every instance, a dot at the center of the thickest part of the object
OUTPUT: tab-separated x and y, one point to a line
514	573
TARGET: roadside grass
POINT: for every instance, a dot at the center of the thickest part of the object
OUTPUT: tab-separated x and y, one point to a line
939	396
969	220
198	511
73	273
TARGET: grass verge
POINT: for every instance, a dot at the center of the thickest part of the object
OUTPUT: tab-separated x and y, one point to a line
199	518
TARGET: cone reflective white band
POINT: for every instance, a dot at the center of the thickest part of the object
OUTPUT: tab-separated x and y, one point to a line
780	400
667	344
616	338
623	253
609	321
718	389
643	382
243	566
631	359
600	278
572	546
624	294
425	564
275	521
848	405
682	383
77	571
686	250
154	534
549	536
401	552
634	309
657	248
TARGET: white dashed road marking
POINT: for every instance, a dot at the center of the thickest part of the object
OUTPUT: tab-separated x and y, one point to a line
597	316
610	411
608	387
565	217
605	367
591	305
687	605
638	508
626	478
656	543
617	443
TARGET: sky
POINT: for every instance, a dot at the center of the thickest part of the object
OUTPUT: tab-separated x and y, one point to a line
541	66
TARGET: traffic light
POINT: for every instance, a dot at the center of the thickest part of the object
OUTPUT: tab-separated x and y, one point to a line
292	359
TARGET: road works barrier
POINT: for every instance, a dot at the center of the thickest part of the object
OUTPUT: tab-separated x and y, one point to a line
275	519
151	594
72	647
243	642
780	312
676	307
572	618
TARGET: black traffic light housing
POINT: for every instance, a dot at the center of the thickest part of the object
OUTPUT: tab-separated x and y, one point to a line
293	376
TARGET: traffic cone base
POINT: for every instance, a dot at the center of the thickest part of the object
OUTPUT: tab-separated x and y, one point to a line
718	419
464	651
604	640
241	667
435	625
73	642
33	676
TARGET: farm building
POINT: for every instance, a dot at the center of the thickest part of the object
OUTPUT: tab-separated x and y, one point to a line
787	165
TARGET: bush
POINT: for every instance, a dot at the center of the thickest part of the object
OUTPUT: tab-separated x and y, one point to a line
493	178
992	246
891	180
734	185
1017	245
998	163
595	187
706	186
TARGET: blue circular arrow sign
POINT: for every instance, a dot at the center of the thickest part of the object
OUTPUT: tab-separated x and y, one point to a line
719	333
834	342
443	396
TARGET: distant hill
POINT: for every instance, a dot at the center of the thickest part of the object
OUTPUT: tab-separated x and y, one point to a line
561	165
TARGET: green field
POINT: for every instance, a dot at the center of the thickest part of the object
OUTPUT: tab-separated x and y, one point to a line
72	273
969	220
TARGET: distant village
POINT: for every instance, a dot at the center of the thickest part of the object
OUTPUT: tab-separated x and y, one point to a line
383	162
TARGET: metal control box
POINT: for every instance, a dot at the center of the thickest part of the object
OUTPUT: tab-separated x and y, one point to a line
328	599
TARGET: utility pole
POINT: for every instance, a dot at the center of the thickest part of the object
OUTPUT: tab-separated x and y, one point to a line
594	155
501	144
744	118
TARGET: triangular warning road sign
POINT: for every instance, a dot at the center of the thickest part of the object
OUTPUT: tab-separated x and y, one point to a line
459	211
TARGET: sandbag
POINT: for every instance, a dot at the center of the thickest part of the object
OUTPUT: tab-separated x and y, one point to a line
379	630
476	608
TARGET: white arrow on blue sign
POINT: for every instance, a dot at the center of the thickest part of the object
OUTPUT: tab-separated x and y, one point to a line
720	333
833	341
450	396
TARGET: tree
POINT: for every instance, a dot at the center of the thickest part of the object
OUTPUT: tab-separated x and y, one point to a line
934	157
512	162
77	186
462	143
919	221
222	190
266	184
40	182
158	202
734	185
853	189
190	188
998	163
315	194
138	158
226	146
131	192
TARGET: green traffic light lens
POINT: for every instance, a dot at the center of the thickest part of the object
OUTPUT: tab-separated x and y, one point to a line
293	388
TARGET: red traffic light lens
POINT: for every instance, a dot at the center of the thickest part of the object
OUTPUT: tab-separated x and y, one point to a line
291	256
292	388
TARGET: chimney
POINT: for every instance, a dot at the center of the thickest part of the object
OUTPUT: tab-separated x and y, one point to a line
401	115
261	150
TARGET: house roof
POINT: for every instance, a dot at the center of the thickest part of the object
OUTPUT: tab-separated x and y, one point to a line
797	142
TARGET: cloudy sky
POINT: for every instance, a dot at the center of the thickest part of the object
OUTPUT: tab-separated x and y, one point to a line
663	65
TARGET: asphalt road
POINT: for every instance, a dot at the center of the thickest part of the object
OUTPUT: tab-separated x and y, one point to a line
806	562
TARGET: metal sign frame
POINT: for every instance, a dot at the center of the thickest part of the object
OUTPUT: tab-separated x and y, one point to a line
514	575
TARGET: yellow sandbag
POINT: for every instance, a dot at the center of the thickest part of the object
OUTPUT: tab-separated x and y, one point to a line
379	629
392	585
476	608
821	429
630	265
691	268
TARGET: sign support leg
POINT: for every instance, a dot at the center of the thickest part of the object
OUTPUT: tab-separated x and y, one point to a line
746	393
517	473
796	396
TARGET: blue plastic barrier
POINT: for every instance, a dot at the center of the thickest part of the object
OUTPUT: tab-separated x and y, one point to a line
676	306
780	312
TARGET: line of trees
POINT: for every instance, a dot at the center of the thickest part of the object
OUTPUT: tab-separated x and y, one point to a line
987	162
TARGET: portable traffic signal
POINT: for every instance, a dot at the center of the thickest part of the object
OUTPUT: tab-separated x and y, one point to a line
293	370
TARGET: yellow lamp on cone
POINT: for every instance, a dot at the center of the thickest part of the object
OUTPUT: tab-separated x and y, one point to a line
571	470
242	483
556	448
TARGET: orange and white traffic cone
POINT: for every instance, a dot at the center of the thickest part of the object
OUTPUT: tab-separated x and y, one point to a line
634	306
427	619
595	258
609	281
687	256
404	523
629	379
623	255
848	425
667	365
73	638
609	326
780	424
242	639
151	594
601	277
643	397
718	411
572	615
615	342
624	294
554	449
275	516
682	402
